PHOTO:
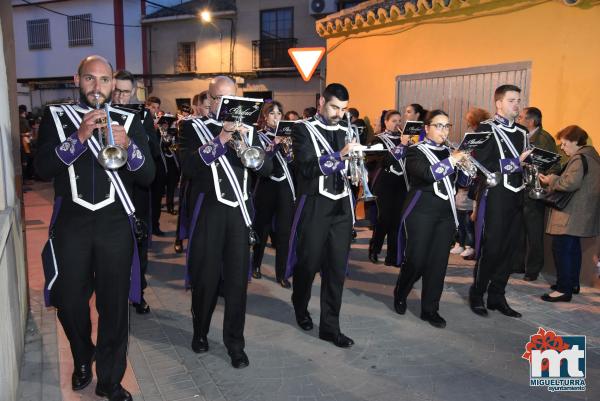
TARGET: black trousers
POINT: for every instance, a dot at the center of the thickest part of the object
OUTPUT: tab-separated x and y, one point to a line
530	251
173	174
324	235
390	198
183	198
219	248
141	200
273	200
94	252
429	231
157	192
503	224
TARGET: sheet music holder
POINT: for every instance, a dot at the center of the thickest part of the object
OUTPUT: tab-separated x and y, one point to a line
541	158
474	140
243	109
284	128
137	108
412	128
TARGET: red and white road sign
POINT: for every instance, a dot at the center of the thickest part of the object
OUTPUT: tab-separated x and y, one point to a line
306	59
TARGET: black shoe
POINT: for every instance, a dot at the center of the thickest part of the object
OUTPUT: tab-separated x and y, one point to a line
373	257
560	298
503	308
142	308
399	305
200	344
434	319
239	359
576	289
285	283
178	247
113	393
354	234
339	340
158	232
530	277
82	376
305	323
256	274
477	306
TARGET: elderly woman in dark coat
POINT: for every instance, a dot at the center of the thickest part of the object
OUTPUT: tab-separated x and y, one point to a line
581	216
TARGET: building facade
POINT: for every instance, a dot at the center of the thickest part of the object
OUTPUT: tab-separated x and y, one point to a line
52	36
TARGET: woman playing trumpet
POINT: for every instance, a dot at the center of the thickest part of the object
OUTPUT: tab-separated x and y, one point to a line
428	217
274	196
390	185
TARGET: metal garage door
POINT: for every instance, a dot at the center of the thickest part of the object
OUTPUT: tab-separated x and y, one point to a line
455	91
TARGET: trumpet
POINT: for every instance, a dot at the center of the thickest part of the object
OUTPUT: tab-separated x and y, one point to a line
469	165
252	157
357	169
531	175
111	156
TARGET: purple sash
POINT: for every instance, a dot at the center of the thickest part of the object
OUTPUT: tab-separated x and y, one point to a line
183	232
407	211
292	257
192	228
135	287
480	222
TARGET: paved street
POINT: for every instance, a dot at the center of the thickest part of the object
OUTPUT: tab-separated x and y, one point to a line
395	357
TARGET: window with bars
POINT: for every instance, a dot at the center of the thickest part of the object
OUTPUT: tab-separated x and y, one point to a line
38	34
186	57
80	30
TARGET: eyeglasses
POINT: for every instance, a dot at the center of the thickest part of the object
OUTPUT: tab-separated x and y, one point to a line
441	126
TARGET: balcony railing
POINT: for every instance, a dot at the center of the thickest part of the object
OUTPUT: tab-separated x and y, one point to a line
270	54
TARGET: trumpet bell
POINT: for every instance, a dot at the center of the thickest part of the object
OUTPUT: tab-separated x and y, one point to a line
493	179
253	157
112	157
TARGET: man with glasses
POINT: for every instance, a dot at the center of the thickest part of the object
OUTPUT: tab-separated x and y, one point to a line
500	208
219	222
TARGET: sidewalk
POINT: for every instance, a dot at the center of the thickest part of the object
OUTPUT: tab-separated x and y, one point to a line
395	357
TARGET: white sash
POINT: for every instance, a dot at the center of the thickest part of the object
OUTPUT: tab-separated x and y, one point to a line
205	137
498	131
390	145
265	141
433	159
319	137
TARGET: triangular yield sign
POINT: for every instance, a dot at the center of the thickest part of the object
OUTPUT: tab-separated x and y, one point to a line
306	59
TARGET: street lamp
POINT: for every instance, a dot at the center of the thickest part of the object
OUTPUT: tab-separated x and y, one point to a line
206	16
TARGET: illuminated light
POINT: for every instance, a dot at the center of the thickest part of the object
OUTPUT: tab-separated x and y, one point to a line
206	16
306	60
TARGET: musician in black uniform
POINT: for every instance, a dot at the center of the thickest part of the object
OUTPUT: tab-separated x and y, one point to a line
168	147
429	218
124	88
499	209
390	186
274	196
324	214
91	234
220	226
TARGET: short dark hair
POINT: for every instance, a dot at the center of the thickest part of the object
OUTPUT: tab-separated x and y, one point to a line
353	112
22	108
153	99
125	75
419	109
534	114
502	89
289	114
573	133
433	114
337	90
264	113
309	112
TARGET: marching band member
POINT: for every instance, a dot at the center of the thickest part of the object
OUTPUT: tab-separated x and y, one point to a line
390	185
168	147
499	209
219	222
92	242
429	218
274	196
322	229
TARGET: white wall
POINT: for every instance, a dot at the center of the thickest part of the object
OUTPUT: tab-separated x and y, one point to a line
61	60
